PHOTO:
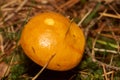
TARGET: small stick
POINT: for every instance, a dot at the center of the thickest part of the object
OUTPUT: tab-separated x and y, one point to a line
94	42
113	9
69	27
108	73
110	15
9	66
105	74
79	24
101	63
18	9
113	34
1	44
9	3
92	23
69	3
105	50
107	65
35	77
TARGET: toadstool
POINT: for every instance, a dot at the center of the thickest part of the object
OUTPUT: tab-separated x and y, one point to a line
50	33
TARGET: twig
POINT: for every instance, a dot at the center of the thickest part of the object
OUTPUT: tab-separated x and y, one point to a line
94	42
9	66
111	59
53	2
101	63
107	43
108	73
105	74
105	50
18	9
89	27
71	78
35	77
7	9
113	34
112	75
79	24
1	44
110	15
109	36
69	3
113	9
92	23
9	3
108	66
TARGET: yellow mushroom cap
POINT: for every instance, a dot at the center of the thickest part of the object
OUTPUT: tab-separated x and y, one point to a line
50	33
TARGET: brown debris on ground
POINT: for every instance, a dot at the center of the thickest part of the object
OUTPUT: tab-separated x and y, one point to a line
99	19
